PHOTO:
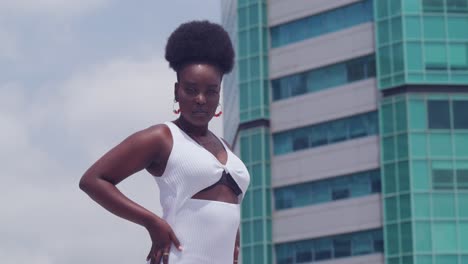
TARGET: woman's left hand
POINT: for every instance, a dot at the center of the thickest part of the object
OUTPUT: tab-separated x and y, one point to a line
236	254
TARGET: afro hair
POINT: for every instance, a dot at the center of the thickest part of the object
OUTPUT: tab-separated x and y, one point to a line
200	41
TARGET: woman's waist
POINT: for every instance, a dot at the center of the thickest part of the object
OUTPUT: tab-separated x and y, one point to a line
207	212
204	225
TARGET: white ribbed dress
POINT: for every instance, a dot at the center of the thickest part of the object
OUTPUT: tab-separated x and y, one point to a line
206	229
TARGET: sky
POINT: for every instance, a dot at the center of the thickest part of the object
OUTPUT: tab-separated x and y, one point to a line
76	78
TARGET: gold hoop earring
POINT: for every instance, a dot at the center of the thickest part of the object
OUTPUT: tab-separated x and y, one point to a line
173	108
220	111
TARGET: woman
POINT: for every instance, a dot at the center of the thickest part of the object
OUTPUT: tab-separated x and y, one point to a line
201	181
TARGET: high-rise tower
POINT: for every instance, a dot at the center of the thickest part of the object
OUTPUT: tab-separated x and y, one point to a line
352	117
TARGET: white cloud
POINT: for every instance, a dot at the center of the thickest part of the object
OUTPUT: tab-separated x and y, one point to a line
116	99
123	95
62	8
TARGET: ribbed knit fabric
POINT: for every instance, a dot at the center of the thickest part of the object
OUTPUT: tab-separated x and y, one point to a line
206	229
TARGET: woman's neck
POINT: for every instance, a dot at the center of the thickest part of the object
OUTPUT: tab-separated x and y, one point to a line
190	129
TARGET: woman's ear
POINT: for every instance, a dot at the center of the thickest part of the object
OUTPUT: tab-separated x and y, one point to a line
176	88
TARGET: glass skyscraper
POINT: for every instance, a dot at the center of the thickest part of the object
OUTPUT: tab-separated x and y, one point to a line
352	117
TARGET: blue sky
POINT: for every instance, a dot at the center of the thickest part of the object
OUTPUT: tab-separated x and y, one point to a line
76	78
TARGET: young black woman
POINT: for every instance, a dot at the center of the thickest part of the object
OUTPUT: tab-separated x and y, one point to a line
201	181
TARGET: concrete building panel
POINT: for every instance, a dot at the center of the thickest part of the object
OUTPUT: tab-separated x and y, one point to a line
281	11
328	219
321	51
330	104
325	162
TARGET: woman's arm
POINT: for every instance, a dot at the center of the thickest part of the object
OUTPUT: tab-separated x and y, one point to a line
150	147
135	153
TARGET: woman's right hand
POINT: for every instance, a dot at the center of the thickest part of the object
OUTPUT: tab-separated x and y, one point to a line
162	237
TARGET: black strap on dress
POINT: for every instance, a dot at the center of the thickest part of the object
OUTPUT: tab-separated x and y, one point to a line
226	179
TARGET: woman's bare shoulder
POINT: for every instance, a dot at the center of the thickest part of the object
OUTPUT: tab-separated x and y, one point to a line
156	133
136	152
160	137
151	140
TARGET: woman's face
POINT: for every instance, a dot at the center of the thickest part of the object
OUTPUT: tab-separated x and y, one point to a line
197	92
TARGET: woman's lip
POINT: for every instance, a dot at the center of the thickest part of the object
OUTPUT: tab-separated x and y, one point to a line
199	113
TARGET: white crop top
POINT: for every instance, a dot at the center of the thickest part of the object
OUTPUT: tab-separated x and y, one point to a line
191	168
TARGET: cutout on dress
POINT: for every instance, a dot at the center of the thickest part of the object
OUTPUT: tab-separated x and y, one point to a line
226	180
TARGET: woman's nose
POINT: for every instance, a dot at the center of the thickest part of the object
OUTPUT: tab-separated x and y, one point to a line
200	99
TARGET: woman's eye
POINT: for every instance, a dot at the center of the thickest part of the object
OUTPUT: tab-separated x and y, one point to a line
190	90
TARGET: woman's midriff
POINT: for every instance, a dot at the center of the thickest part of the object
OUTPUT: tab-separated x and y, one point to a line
219	192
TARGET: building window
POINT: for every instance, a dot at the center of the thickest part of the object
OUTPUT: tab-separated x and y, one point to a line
462	179
323	23
283	255
300	140
377	239
362	244
442	179
302	257
320	136
460	114
342	246
435	59
289	260
433	6
341	188
457	6
376	184
304	253
451	6
324	77
446	178
439	114
325	133
316	192
338	131
340	194
325	248
458	51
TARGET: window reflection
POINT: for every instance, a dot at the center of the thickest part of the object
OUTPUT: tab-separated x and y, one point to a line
353	244
323	23
325	133
316	192
439	114
324	78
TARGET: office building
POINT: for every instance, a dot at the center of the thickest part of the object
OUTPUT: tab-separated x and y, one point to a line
352	117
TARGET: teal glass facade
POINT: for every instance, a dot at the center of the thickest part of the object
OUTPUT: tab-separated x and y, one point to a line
254	140
421	69
421	42
323	78
328	248
328	190
323	23
256	207
326	133
422	46
252	60
425	177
